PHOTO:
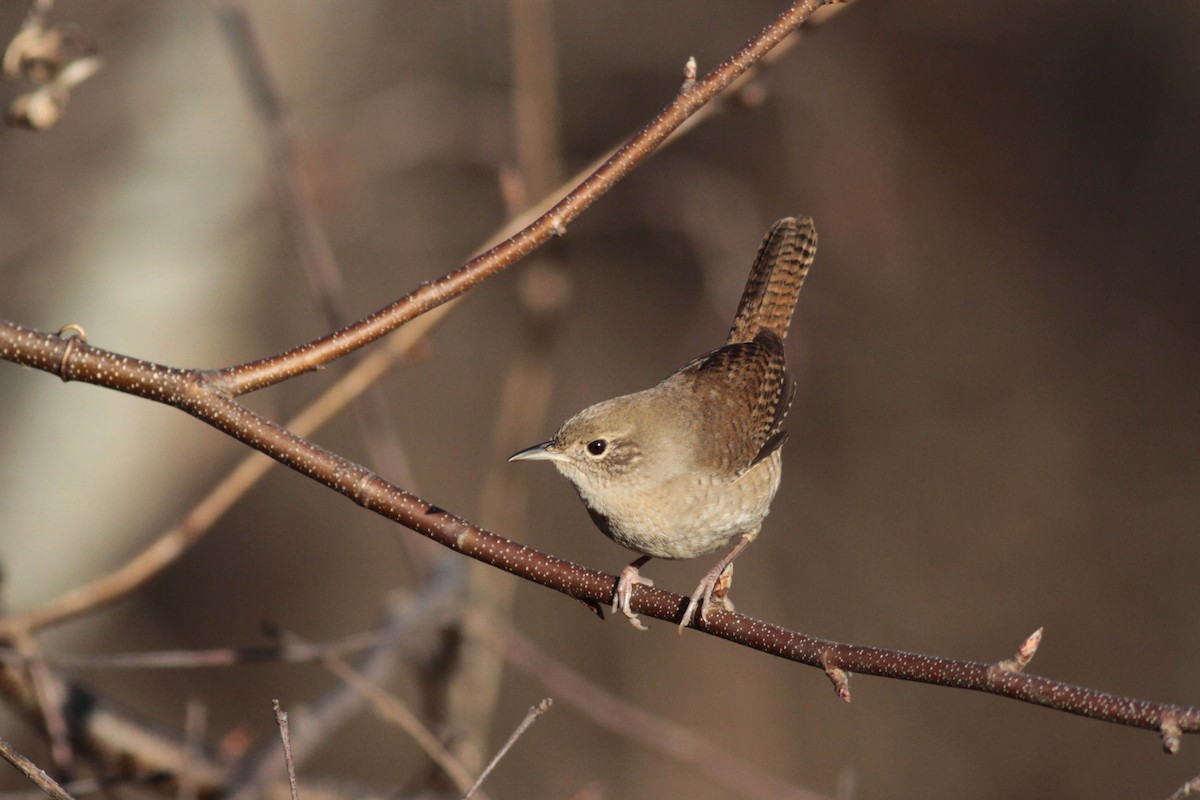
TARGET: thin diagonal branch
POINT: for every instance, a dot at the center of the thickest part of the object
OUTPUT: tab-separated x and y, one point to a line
307	357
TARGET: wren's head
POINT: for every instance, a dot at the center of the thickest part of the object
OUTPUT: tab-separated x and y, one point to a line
615	446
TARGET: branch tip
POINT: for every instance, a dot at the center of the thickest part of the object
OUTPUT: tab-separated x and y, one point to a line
1024	654
533	713
1187	790
285	737
1171	734
689	75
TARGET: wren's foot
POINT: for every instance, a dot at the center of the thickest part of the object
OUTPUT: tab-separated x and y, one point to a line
712	592
624	591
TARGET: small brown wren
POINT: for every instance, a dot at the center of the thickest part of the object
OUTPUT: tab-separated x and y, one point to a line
680	469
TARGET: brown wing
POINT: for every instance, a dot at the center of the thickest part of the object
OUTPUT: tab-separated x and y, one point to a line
744	391
775	280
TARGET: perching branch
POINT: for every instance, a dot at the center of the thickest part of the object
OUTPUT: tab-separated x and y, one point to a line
187	390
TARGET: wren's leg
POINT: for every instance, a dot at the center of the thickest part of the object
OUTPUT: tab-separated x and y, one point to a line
624	592
703	596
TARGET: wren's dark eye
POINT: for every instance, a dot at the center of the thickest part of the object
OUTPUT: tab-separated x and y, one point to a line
597	447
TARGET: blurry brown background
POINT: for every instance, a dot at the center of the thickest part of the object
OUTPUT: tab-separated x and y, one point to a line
997	353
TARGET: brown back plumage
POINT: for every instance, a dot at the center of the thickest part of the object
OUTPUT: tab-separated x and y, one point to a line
749	372
746	392
775	280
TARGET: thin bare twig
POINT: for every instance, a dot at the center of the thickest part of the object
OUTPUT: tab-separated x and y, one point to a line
533	713
283	653
50	695
195	723
390	708
33	772
255	375
1187	790
281	720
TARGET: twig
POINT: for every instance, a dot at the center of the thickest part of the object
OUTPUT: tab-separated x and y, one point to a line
194	724
389	708
530	717
1187	790
283	653
415	622
307	357
50	695
285	737
33	772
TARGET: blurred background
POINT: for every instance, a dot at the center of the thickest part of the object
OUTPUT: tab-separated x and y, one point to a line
997	423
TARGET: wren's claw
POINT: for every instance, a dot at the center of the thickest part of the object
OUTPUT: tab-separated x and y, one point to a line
711	592
624	591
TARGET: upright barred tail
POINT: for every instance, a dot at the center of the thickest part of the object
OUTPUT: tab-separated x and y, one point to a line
775	280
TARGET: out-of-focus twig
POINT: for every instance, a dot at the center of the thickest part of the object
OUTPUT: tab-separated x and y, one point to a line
413	622
542	294
195	722
297	205
55	59
390	708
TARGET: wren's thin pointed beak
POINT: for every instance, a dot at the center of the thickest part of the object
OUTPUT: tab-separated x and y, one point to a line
539	452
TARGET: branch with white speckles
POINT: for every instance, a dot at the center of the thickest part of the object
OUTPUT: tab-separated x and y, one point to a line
191	391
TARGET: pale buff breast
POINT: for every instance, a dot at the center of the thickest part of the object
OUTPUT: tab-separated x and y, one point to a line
698	516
